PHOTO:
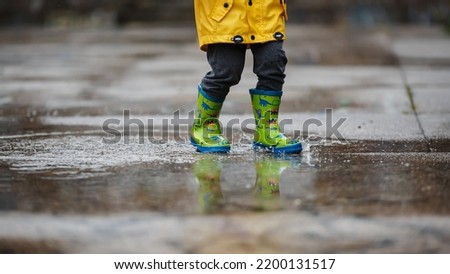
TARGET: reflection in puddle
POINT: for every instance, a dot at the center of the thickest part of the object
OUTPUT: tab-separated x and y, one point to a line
207	173
266	187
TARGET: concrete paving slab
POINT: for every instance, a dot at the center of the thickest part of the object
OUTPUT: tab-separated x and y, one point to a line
437	129
311	45
422	50
156	79
44	71
156	233
427	76
360	125
9	87
342	76
432	99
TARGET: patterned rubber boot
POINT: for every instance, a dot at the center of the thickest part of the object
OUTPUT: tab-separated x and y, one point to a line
266	105
206	134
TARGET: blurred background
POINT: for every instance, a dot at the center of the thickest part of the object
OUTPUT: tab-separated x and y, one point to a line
123	12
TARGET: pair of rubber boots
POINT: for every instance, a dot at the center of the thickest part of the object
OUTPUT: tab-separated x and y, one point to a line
206	134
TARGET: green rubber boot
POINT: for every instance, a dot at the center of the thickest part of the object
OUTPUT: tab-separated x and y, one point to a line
206	134
266	105
207	174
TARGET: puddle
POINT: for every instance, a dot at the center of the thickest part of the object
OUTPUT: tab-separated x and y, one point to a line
81	175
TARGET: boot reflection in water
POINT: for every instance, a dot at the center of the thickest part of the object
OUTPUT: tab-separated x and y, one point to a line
267	185
207	173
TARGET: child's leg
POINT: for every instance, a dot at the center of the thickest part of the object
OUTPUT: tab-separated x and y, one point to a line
269	63
227	63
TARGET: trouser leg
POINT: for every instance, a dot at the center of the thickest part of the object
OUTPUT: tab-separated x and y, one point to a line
269	64
227	63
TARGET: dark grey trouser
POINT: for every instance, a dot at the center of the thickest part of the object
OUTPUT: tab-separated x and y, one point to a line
227	63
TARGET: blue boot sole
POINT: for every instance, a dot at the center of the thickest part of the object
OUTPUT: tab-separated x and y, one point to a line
205	149
292	149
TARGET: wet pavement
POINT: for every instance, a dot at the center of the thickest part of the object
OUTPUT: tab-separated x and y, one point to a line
383	187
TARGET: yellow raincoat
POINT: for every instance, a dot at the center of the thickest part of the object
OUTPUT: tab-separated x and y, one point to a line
239	21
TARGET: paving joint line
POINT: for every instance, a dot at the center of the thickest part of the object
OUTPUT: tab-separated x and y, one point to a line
410	95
